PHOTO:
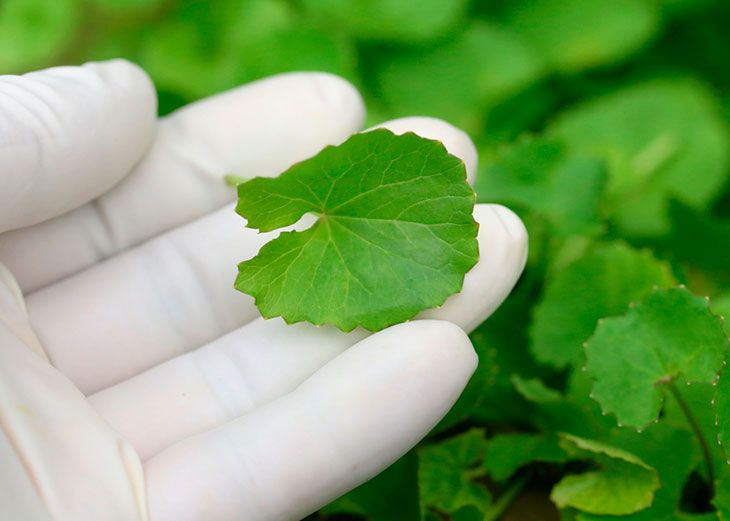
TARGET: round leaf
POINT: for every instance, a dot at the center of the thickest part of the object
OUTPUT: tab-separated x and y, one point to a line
395	233
671	334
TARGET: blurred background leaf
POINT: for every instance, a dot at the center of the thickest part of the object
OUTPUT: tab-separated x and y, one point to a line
386	20
459	79
574	35
661	139
32	32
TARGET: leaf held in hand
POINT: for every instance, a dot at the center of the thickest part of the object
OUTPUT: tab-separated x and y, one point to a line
395	233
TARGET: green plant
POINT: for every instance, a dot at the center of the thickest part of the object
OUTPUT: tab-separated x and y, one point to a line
605	125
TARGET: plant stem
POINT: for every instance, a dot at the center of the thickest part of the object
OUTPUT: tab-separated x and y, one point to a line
692	420
506	499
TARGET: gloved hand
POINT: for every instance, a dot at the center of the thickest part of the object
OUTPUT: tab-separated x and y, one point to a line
135	383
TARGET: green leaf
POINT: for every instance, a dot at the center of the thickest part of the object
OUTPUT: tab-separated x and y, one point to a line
578	34
201	51
662	139
32	32
392	495
299	49
395	233
601	283
670	451
507	453
670	335
447	472
565	188
390	20
185	54
175	57
487	63
534	390
624	483
241	24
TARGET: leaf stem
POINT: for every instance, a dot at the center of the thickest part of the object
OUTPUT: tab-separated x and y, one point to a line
694	424
506	499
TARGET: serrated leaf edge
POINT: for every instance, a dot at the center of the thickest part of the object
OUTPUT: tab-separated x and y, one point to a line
604	411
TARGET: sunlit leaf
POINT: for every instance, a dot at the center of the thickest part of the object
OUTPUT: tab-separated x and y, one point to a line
671	452
623	484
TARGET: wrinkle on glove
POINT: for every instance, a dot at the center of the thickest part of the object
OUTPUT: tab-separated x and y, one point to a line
61	461
68	134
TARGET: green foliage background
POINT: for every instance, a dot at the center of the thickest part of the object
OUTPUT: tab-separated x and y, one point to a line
604	123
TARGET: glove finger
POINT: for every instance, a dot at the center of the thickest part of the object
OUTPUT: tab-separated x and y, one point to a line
267	358
68	135
164	298
346	423
502	256
256	130
60	459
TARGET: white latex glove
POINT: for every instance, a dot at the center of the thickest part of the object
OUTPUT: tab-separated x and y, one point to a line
135	383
